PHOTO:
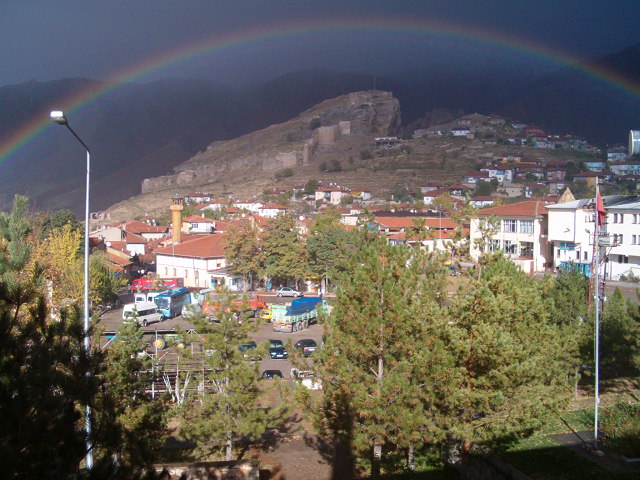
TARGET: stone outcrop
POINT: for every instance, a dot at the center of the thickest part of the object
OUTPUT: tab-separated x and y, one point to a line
287	145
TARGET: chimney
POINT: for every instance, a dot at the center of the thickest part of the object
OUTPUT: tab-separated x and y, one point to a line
176	217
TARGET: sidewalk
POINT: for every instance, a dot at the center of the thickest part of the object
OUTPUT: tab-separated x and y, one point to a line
576	441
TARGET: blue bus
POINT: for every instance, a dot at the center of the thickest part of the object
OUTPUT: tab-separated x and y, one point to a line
170	303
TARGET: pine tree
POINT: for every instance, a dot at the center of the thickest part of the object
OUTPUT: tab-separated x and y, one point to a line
225	409
567	304
618	334
509	374
373	366
43	365
139	422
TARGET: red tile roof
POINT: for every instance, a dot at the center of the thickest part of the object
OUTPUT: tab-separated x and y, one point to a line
528	208
118	260
407	222
135	226
197	219
135	238
209	246
272	206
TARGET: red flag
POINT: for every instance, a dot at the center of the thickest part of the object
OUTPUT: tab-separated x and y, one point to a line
599	207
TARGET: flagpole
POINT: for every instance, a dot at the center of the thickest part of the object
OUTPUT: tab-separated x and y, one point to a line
598	221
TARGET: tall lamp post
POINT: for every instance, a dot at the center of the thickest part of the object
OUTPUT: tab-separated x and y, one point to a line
59	117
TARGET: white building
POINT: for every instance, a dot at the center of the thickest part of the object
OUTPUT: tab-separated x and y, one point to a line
521	235
195	260
197	224
571	227
271	210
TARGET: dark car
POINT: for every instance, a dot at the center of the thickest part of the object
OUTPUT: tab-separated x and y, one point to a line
278	352
271	374
307	345
275	343
248	349
248	346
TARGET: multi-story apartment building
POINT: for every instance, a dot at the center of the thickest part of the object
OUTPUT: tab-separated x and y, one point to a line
571	234
521	234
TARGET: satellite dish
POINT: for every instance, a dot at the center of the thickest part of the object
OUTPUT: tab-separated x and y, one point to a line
301	218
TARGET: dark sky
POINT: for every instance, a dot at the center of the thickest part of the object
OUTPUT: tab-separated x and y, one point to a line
51	39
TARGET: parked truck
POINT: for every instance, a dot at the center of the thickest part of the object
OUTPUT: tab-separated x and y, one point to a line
299	315
253	304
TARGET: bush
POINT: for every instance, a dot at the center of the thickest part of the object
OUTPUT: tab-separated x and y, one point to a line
630	278
365	155
620	429
287	172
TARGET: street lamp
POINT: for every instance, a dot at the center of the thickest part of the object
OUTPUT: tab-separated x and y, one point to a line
58	117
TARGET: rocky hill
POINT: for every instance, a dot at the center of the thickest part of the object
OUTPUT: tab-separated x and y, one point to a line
334	141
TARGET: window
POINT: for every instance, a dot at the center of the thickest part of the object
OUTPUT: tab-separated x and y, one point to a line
509	226
623	259
621	218
620	239
634	218
493	245
526	249
509	247
615	218
633	240
526	226
586	256
567	246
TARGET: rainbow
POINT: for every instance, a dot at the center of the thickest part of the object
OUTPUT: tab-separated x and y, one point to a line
25	133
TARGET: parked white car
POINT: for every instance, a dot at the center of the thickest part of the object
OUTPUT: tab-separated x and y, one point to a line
288	292
306	378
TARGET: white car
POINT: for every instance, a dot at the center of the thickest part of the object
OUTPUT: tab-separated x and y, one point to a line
288	292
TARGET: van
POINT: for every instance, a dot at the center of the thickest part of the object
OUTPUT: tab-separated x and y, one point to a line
147	312
142	297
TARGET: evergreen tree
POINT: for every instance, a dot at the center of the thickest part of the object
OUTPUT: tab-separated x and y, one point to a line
509	374
138	422
43	365
618	334
374	360
567	303
225	409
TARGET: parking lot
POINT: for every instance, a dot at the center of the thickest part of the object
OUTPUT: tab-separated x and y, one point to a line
110	321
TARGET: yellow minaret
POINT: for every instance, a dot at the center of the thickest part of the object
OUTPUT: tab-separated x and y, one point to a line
176	217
